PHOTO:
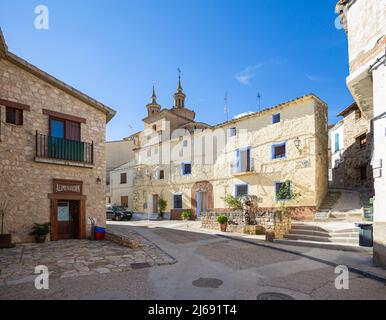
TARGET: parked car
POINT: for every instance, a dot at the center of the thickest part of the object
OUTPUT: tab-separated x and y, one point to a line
117	213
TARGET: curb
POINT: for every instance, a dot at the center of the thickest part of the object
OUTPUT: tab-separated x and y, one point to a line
360	272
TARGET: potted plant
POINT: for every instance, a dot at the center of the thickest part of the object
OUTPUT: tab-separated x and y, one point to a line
5	207
186	215
162	204
40	232
223	221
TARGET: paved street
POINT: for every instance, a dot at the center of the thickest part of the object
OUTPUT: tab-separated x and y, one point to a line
207	267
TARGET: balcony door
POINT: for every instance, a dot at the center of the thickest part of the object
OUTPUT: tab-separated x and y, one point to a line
65	141
243	160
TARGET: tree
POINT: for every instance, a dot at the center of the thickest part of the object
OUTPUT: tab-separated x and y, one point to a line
284	195
233	203
162	204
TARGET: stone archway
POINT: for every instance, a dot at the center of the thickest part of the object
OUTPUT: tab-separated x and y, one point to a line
203	187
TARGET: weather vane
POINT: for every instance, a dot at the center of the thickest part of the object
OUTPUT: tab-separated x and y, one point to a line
179	73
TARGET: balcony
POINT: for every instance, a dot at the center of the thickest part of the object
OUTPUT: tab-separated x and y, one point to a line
244	169
64	152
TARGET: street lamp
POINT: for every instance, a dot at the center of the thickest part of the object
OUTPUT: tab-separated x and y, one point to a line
297	143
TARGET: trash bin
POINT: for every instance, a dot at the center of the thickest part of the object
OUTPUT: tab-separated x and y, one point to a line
365	234
99	233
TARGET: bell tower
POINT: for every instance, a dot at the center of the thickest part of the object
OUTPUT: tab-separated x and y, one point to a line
179	96
153	107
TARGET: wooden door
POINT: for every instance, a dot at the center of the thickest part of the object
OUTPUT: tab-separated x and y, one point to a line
155	203
68	219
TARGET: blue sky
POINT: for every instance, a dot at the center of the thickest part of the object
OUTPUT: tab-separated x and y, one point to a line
115	50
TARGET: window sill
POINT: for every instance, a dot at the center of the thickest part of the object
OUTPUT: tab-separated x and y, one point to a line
64	163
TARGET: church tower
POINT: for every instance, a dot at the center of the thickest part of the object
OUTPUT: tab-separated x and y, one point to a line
153	107
179	96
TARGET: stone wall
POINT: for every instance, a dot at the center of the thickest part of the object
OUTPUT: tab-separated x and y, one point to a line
261	223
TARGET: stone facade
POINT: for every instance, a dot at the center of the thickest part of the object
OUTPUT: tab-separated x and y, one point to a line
27	181
302	128
351	161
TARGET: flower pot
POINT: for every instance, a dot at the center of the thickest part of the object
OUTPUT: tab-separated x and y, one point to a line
40	238
6	241
270	236
223	227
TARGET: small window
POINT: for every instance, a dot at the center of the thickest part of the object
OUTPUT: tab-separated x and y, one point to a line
232	132
362	140
276	118
14	116
363	173
241	190
186	169
177	201
283	191
185	143
123	178
337	144
279	151
161	175
155	127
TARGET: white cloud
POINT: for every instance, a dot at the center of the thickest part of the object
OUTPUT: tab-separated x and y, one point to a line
243	115
245	76
314	78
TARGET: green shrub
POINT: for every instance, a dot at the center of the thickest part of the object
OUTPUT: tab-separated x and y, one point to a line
40	229
222	219
186	215
233	203
162	204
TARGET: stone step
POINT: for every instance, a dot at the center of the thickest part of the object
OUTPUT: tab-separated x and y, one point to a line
354	234
315	227
303	237
324	245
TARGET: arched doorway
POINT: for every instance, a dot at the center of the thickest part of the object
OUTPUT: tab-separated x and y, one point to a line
202	198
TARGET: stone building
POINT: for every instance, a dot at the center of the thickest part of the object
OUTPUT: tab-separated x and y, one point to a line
351	151
118	153
193	165
365	25
52	152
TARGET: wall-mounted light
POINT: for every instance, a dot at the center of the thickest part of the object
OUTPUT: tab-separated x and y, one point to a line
297	143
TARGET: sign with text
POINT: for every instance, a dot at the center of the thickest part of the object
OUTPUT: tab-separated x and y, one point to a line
68	187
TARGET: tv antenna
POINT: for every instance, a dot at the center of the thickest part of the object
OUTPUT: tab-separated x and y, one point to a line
258	97
226	108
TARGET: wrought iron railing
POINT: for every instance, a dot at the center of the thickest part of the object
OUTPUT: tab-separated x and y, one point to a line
62	149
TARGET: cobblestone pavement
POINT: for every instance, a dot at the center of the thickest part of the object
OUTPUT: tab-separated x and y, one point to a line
209	267
75	258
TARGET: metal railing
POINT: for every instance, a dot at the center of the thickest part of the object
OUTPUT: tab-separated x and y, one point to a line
62	149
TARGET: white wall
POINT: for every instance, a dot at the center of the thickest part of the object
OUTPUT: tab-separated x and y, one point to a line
366	25
336	155
379	90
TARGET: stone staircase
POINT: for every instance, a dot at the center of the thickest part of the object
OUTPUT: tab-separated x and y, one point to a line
325	209
337	236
